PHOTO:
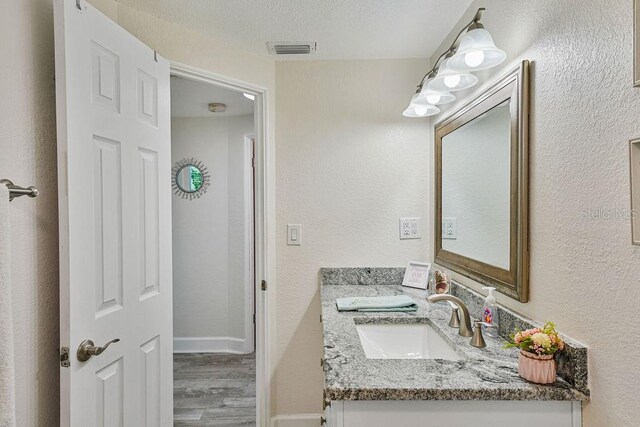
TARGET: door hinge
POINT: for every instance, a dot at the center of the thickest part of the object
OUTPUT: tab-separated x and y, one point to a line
325	402
263	285
78	5
155	56
254	318
64	357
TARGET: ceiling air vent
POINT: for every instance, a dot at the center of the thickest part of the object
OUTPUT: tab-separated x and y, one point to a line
291	48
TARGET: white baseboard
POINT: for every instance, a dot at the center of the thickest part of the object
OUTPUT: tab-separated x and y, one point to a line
297	420
210	345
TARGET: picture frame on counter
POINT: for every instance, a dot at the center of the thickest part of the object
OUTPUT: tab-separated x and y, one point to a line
416	275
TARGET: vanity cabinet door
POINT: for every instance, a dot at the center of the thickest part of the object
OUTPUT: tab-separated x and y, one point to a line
458	413
326	415
334	414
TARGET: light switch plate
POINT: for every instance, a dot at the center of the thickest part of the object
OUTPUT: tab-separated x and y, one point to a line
294	238
410	228
449	228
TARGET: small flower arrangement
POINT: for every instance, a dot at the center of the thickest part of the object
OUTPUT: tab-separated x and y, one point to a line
539	341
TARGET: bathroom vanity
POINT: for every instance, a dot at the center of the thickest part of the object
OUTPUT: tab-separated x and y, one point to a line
412	369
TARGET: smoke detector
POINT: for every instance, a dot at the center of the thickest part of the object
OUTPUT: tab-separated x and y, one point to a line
292	48
216	107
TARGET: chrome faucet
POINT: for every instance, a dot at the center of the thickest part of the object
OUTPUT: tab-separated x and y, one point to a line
465	320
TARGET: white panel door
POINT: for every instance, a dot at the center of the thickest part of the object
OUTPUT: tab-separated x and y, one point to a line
114	153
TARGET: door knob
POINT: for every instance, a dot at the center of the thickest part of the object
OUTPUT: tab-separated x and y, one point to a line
88	349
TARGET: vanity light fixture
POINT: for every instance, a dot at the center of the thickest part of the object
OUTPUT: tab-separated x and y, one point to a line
419	107
477	51
435	97
451	80
472	50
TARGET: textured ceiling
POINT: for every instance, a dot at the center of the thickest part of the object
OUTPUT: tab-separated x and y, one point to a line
344	29
191	99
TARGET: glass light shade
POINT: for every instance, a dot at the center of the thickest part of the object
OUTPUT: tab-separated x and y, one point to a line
448	80
418	107
477	51
432	110
434	97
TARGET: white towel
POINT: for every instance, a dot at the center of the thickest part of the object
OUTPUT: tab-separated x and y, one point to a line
7	381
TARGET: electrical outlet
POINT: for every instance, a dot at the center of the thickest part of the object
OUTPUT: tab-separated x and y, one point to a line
410	228
449	228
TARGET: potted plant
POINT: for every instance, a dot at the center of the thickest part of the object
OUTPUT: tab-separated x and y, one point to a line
537	346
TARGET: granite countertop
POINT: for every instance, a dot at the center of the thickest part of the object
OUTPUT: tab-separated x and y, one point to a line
490	373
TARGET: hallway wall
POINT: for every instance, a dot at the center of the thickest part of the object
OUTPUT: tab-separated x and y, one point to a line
209	237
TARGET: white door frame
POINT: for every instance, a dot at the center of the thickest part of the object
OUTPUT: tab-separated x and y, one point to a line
263	144
249	253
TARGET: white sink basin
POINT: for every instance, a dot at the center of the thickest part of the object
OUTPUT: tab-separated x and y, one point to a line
406	341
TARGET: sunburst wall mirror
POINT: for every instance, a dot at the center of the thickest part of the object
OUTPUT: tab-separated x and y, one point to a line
190	178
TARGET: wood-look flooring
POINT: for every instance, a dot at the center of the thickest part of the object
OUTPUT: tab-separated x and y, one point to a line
214	389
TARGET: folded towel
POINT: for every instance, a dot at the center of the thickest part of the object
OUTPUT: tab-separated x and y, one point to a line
386	303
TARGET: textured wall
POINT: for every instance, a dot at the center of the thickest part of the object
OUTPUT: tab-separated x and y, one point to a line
209	232
349	165
584	270
184	45
28	157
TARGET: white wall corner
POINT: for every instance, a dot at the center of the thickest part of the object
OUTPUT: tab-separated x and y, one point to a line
211	345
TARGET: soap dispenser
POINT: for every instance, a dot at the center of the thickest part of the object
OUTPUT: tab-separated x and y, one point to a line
490	313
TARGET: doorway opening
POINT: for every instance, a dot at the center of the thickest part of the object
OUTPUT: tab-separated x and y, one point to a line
214	263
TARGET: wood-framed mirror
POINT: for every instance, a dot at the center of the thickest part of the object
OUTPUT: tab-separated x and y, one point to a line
482	187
